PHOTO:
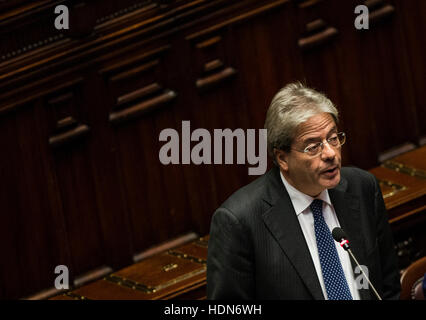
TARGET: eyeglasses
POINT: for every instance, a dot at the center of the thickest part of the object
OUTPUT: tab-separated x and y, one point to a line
314	149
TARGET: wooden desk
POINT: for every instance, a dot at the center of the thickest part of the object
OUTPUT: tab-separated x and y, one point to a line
179	273
403	183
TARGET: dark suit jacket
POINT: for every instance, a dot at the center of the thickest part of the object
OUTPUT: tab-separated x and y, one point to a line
257	249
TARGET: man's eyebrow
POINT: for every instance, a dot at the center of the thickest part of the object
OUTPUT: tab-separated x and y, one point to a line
309	140
316	139
332	130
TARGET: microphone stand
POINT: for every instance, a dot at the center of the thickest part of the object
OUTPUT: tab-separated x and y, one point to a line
371	285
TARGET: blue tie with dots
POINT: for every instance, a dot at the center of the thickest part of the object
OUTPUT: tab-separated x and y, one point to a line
332	272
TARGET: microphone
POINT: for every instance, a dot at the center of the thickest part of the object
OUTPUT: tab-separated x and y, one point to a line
340	236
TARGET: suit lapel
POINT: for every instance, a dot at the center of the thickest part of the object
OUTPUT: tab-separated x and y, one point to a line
282	222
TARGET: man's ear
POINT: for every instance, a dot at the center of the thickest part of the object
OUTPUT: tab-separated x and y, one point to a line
281	158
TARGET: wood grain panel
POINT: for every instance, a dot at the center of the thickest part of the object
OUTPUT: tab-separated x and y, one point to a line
388	74
34	238
413	22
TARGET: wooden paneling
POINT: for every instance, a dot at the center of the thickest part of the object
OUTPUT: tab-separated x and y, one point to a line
413	26
81	113
385	65
34	237
320	37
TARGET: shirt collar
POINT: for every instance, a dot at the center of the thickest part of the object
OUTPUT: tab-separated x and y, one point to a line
300	200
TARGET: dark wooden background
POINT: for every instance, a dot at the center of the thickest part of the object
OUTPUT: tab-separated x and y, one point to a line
81	111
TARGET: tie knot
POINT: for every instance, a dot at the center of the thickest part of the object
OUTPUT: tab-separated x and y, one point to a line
316	206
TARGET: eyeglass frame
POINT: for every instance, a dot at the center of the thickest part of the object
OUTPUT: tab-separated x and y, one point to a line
321	145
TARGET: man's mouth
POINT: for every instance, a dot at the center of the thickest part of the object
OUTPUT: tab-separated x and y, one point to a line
330	171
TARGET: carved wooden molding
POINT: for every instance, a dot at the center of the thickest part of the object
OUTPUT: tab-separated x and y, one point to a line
140	108
213	65
303	4
28	11
114	69
124	13
209	42
127	33
135	103
381	13
208	81
208	54
317	33
135	71
237	19
165	246
71	134
138	94
92	275
25	9
63	113
215	70
7	107
140	20
318	38
378	10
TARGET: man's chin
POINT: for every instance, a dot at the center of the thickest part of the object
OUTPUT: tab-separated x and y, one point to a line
331	181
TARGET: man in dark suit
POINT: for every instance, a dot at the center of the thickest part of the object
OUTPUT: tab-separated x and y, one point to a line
271	239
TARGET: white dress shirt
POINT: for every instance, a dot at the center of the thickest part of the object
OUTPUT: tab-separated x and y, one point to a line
301	204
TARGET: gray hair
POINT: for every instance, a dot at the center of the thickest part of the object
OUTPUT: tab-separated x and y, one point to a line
291	106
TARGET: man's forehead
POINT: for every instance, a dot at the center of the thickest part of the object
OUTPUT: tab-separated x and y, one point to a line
315	126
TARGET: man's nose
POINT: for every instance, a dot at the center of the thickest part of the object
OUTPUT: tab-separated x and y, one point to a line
328	152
